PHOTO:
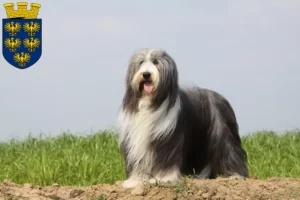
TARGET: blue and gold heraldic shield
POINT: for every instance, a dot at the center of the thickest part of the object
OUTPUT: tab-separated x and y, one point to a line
22	41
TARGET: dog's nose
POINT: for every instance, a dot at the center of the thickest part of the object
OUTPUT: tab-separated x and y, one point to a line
146	75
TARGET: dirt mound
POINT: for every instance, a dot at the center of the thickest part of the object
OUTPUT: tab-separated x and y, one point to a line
218	189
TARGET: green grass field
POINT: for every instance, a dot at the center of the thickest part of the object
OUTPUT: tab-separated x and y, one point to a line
94	159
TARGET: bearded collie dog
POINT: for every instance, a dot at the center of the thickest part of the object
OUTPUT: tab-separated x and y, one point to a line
167	131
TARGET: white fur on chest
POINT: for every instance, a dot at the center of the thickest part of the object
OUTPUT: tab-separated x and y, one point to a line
139	129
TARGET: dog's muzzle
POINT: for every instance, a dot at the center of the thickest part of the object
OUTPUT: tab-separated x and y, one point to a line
147	84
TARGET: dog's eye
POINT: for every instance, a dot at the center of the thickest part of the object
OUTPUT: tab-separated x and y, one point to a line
155	62
141	62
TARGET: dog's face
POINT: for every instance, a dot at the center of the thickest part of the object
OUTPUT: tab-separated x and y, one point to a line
151	70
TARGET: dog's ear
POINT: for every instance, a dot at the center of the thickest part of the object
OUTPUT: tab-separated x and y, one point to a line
130	98
130	101
129	75
133	66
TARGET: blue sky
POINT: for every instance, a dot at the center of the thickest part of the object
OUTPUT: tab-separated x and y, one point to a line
246	50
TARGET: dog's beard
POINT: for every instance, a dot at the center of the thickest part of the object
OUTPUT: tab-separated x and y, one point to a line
144	87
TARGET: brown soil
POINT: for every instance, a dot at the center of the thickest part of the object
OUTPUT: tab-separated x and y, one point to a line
219	189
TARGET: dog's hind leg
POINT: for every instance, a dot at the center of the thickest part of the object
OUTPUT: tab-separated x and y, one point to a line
228	158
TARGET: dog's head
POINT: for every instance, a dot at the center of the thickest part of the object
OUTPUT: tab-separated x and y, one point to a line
150	72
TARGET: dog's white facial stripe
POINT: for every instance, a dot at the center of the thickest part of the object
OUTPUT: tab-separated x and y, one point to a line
148	67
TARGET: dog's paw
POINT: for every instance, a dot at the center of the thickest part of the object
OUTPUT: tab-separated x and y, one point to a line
236	177
169	178
153	181
130	183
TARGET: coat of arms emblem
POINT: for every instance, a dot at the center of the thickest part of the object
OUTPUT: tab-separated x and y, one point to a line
22	35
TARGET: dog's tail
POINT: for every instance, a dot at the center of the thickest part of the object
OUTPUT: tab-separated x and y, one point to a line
228	156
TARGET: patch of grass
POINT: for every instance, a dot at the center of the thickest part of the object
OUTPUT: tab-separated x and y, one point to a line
66	160
95	159
273	155
101	197
178	187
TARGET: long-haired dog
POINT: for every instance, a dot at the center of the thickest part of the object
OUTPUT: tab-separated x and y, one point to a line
167	131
